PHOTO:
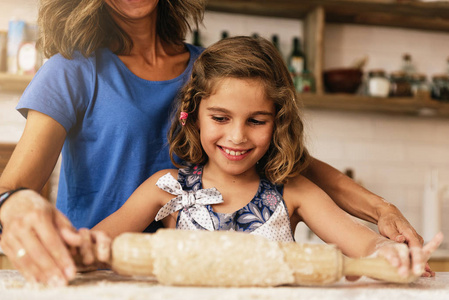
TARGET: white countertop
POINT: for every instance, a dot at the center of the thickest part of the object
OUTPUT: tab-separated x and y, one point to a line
107	285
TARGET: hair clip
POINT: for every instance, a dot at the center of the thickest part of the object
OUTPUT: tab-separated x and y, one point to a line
183	117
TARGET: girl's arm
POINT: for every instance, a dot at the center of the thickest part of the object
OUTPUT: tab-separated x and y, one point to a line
134	215
139	210
361	203
31	223
335	226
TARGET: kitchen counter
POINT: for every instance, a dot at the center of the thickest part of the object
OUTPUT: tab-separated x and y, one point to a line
107	285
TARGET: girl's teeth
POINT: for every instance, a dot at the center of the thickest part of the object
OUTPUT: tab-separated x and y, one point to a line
234	153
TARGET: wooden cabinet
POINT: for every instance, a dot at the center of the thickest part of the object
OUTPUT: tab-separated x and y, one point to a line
14	83
432	16
439	264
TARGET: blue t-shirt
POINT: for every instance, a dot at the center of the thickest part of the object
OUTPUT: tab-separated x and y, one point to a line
116	125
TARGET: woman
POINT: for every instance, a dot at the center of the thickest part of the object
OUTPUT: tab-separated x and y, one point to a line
104	99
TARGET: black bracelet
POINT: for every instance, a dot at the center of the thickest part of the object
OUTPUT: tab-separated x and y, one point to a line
4	196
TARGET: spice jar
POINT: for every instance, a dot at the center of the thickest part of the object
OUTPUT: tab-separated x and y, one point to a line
399	85
419	85
440	87
378	84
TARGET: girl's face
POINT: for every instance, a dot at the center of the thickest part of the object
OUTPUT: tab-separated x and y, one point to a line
132	9
236	125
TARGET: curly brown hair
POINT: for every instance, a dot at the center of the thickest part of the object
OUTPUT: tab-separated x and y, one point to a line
244	58
86	25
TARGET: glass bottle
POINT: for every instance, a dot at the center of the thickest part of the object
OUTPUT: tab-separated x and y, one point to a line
407	65
224	34
297	57
275	41
29	57
197	38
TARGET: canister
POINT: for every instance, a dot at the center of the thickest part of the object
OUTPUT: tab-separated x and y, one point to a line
378	83
419	84
440	87
400	85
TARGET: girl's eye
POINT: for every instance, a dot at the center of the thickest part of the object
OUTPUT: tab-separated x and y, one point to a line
219	119
256	122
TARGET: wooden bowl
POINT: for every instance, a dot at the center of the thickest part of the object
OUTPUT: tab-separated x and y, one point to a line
342	80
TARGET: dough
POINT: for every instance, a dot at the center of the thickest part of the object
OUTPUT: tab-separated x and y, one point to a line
313	264
132	254
219	258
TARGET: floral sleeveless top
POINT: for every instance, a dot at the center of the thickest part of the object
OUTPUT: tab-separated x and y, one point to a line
265	215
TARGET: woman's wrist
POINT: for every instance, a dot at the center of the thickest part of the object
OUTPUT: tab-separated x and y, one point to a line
383	207
4	197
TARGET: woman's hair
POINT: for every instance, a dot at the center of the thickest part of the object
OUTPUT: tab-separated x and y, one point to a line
243	58
86	25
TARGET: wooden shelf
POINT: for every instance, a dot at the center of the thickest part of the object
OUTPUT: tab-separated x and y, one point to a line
404	14
358	103
14	83
317	13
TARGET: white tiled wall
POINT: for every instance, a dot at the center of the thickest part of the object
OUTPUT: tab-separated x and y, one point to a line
390	154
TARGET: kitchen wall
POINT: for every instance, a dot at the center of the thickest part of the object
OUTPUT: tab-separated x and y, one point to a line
390	154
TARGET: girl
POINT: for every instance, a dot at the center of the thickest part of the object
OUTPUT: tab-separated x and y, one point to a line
240	130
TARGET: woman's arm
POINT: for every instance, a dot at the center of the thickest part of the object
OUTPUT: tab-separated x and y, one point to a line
31	223
362	203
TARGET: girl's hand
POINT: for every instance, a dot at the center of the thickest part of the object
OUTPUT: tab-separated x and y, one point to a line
409	259
36	237
95	249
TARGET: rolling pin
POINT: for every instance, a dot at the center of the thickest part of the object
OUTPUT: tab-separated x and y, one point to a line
223	258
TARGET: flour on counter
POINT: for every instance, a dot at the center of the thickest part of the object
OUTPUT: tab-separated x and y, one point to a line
105	285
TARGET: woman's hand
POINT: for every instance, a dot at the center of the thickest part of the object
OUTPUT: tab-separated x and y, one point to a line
409	259
393	225
36	237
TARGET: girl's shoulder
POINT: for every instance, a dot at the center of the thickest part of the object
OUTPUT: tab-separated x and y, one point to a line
153	185
159	174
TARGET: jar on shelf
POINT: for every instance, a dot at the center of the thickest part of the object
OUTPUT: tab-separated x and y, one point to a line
304	82
400	85
378	84
420	85
440	87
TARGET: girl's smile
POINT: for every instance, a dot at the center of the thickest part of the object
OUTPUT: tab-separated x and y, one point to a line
234	154
236	125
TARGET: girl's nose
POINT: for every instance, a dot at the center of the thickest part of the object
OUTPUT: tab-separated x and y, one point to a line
237	134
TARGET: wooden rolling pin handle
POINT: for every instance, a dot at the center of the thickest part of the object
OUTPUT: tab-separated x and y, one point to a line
376	268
